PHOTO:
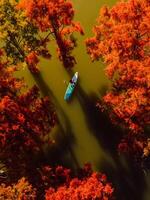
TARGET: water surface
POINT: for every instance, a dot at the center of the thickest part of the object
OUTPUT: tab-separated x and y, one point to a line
80	126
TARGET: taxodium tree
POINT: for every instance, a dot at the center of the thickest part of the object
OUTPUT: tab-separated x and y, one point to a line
93	187
25	118
20	38
21	190
59	183
54	17
89	185
122	40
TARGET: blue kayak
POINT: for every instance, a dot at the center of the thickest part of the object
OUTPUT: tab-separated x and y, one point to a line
71	87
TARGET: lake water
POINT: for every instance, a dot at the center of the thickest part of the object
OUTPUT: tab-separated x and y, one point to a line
78	136
92	80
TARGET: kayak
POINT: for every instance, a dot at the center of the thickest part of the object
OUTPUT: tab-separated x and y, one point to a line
71	86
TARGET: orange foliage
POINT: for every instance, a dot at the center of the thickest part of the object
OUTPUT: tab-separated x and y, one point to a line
55	17
32	61
44	12
122	40
147	148
20	191
92	187
59	183
8	84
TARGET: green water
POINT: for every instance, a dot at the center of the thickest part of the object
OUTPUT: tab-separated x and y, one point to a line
91	80
74	117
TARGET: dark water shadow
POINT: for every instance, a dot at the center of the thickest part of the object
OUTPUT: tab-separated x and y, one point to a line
129	182
99	124
96	121
65	134
127	179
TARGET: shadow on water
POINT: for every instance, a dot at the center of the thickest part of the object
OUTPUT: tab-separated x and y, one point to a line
59	151
128	181
97	122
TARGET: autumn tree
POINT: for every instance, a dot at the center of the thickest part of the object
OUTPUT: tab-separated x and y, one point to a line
87	185
61	183
19	191
26	117
121	39
54	17
20	38
26	28
25	120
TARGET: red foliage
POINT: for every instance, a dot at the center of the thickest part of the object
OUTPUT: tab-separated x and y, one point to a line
57	183
55	17
122	41
25	119
86	185
92	187
32	61
51	177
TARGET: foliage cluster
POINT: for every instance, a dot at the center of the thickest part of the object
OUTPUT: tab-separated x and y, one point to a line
121	39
